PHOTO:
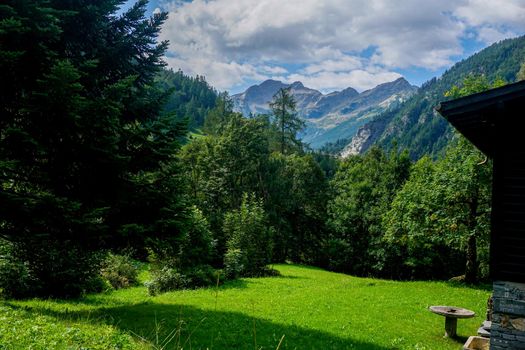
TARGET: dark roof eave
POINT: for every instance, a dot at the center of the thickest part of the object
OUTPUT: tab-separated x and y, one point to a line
475	115
482	100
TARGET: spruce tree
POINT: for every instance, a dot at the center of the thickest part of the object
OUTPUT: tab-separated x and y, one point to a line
289	124
87	161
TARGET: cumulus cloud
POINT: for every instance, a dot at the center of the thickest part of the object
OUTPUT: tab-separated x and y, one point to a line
493	20
488	12
359	79
331	43
222	75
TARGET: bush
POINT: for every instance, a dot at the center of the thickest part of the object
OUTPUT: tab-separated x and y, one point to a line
46	268
249	239
98	284
165	280
168	279
202	276
233	263
121	271
196	245
15	280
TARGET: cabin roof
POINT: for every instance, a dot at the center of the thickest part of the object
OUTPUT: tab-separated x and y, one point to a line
475	116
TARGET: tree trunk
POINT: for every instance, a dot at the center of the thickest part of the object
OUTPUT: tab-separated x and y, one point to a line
282	132
471	268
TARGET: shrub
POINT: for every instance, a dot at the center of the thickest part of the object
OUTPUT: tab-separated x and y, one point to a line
98	284
188	265
196	245
233	263
15	280
249	239
165	280
202	276
168	279
27	269
121	271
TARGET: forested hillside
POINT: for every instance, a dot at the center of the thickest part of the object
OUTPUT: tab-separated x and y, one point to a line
190	98
415	125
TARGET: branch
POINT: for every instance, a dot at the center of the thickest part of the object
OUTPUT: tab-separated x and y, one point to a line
483	161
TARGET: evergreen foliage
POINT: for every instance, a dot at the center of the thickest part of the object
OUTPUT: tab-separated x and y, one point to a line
249	239
286	120
336	147
190	98
521	73
86	158
91	161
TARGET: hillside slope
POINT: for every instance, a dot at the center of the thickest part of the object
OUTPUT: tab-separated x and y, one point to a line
415	125
190	98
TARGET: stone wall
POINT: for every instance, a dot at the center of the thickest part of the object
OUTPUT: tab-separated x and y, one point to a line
508	318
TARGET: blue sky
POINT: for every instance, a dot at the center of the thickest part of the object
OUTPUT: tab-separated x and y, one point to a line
330	44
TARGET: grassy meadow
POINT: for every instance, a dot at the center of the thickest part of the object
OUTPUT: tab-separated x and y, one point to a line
310	307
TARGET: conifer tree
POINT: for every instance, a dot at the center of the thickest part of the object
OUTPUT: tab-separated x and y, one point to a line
86	158
288	122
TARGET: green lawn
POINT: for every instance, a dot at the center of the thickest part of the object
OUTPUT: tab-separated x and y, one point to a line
311	308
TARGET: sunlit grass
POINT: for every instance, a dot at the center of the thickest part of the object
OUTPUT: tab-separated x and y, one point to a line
312	308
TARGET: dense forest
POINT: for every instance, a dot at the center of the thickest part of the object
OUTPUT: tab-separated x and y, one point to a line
97	168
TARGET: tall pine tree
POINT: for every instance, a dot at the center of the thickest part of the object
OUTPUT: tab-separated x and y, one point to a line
289	124
87	161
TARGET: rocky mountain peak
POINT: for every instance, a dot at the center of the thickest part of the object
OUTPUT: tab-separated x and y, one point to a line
328	116
297	85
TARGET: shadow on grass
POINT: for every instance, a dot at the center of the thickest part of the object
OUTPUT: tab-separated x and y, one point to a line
205	329
230	284
305	267
481	286
460	339
291	277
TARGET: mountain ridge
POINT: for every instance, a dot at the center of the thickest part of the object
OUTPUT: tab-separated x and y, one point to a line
415	125
330	116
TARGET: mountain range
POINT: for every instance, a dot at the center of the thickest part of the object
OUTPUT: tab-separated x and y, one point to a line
328	117
347	122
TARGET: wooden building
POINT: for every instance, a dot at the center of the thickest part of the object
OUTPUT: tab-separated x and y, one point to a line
493	121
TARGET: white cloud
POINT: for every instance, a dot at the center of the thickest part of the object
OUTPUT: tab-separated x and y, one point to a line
490	35
493	20
329	81
222	75
341	64
333	42
482	12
